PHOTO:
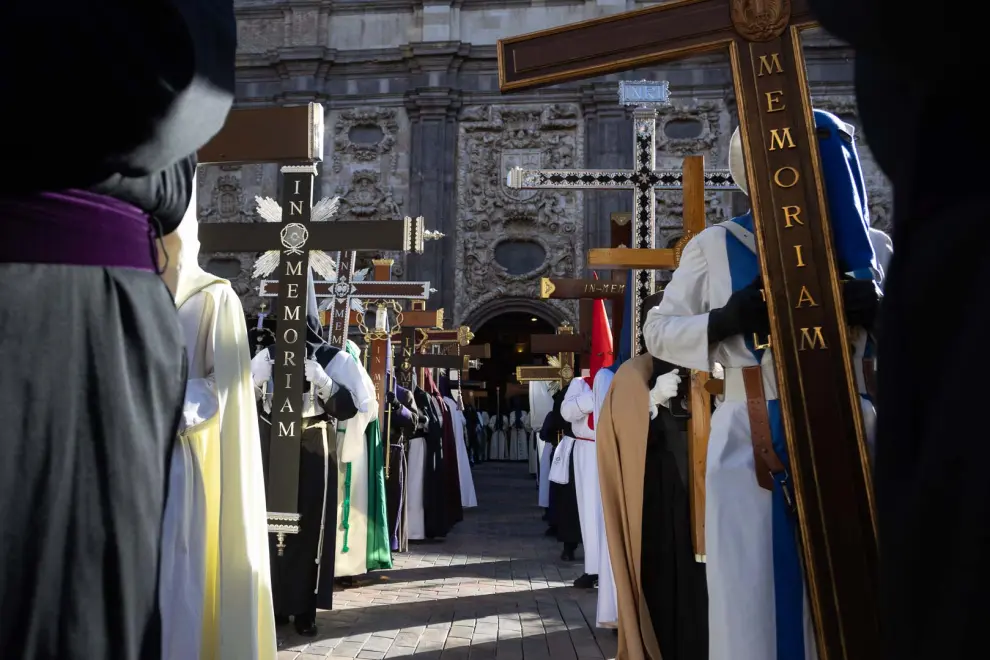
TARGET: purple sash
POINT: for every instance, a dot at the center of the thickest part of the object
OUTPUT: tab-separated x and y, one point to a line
76	228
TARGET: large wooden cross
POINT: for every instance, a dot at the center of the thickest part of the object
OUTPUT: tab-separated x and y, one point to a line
644	179
417	318
822	420
344	288
292	137
563	373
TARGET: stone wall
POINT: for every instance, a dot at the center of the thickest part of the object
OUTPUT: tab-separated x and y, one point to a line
415	125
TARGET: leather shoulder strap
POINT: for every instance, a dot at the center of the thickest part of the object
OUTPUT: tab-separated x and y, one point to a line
744	236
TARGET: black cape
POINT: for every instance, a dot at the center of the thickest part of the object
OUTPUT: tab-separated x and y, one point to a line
563	497
434	473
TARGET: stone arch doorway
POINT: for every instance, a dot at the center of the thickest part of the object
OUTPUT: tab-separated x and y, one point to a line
506	325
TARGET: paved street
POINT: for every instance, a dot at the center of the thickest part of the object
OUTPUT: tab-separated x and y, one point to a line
495	588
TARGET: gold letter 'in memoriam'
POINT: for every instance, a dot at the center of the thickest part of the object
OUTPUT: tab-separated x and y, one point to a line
288	381
286	431
291	313
286	405
293	268
292	290
804	298
778	177
295	208
290	336
774	101
800	256
298	181
758	344
779	137
770	65
289	359
792	214
812	338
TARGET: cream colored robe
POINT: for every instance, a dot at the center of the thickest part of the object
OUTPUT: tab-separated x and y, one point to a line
622	428
215	589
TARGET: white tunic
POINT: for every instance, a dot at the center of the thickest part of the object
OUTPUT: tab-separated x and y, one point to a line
607	615
738	531
499	449
540	405
468	497
519	437
579	403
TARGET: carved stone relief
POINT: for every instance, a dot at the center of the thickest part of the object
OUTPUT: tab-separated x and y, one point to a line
369	168
712	123
491	140
226	194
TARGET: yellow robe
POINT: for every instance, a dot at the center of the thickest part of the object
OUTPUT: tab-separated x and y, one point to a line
214	566
622	430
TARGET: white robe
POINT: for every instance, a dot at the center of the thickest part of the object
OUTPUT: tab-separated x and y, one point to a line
607	614
579	403
519	438
499	449
415	512
738	531
468	497
232	563
540	405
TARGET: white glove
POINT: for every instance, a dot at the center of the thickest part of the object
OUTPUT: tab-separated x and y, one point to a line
261	370
318	377
664	390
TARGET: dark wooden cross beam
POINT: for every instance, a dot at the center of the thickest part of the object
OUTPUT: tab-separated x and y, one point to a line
416	318
822	418
292	137
454	346
565	288
563	373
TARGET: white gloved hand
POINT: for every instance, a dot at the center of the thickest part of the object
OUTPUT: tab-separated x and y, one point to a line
318	377
261	371
665	388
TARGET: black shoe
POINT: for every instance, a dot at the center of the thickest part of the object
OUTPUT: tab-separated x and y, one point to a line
346	582
306	625
586	581
281	620
567	555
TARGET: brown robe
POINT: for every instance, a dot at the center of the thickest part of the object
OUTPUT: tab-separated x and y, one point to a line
622	430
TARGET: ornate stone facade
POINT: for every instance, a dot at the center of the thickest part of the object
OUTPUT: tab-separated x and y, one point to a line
492	140
415	126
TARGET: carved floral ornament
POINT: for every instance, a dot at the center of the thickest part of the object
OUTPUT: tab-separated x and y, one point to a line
383	119
491	140
760	20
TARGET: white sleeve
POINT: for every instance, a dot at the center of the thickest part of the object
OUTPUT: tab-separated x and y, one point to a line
347	373
258	368
676	330
883	247
579	402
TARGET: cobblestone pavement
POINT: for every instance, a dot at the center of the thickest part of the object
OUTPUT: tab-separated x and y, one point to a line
494	588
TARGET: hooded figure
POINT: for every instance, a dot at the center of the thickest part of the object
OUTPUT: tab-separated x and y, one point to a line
215	592
660	590
465	479
711	310
518	431
498	449
540	405
578	409
337	389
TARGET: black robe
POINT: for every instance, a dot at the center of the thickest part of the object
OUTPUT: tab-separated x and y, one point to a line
932	491
563	497
92	357
404	414
300	584
674	583
434	480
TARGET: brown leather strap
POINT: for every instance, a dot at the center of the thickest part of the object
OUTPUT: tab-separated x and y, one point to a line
715	386
766	461
870	377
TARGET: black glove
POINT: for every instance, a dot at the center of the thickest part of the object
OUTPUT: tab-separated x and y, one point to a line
861	301
390	397
745	313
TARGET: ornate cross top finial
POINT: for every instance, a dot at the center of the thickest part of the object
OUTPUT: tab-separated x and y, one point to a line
644	93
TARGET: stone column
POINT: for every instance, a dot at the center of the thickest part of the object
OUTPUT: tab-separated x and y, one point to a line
608	144
432	185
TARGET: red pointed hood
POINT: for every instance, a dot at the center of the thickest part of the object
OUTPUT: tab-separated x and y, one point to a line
602	353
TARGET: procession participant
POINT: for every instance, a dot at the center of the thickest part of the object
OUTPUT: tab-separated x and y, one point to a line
362	543
642	453
711	311
518	438
578	409
564	519
465	479
540	404
401	419
434	467
440	392
338	389
216	597
92	351
498	447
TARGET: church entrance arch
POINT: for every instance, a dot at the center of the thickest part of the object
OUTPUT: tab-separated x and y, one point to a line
506	325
